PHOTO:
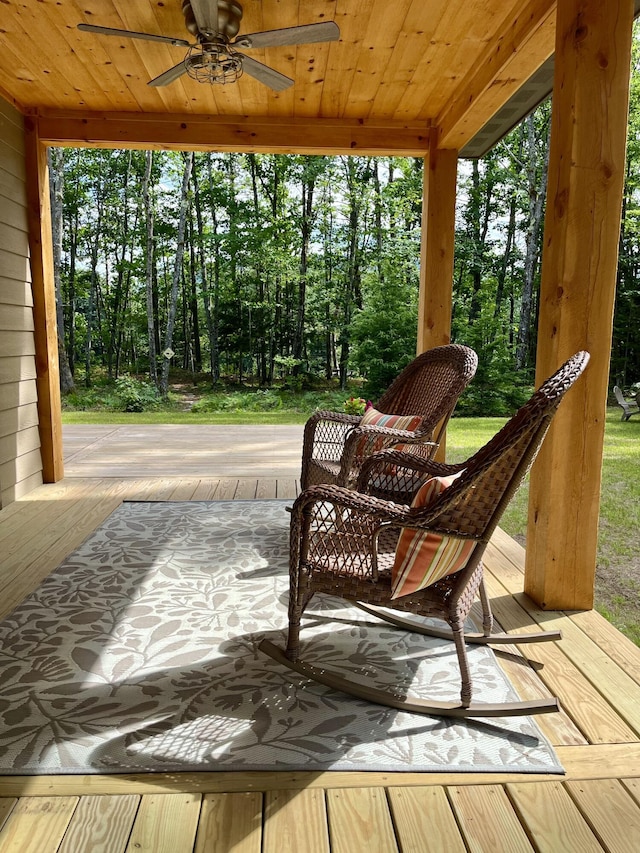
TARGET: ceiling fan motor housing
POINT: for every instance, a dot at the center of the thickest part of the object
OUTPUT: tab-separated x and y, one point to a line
228	19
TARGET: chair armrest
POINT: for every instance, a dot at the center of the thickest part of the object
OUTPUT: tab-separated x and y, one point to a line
373	432
323	438
383	459
333	417
327	429
367	439
339	496
331	523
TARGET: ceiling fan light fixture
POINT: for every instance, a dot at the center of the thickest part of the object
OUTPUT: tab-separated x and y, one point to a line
213	62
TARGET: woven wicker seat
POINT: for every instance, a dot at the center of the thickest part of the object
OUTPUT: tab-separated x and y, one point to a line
335	445
343	543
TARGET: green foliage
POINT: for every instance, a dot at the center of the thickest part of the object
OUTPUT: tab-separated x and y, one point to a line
497	389
126	394
625	352
297	267
384	332
355	406
271	400
133	395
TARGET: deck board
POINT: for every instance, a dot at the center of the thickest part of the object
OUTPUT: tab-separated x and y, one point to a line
295	821
100	824
424	820
612	813
230	822
360	821
488	819
165	823
594	669
37	824
551	817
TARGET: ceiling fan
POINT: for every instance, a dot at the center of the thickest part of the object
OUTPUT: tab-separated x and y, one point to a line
213	57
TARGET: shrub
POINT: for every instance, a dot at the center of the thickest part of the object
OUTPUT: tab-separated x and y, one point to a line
126	394
269	400
355	406
134	395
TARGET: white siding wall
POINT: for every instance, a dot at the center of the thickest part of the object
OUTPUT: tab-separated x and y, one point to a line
20	462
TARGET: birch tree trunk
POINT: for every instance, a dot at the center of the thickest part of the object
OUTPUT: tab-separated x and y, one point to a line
124	247
308	187
352	294
148	212
537	181
177	274
507	258
212	312
263	362
93	280
56	187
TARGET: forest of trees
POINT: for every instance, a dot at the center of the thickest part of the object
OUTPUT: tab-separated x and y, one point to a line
263	267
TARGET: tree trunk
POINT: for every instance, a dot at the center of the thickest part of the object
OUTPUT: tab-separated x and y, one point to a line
56	185
306	223
149	267
537	182
265	344
177	273
352	295
480	217
511	232
212	314
93	285
119	292
193	302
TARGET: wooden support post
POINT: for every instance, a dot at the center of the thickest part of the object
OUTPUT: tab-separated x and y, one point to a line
437	245
586	176
436	251
44	304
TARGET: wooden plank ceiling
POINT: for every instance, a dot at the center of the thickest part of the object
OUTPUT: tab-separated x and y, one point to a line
397	64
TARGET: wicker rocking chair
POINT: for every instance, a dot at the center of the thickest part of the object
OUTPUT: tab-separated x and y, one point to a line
427	390
345	543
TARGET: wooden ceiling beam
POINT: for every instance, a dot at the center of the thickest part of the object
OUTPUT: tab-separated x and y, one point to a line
234	133
517	53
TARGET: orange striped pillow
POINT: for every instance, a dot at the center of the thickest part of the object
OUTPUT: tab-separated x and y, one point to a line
373	416
423	558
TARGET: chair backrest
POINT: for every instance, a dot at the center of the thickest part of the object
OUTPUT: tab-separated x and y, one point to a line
431	384
620	398
473	504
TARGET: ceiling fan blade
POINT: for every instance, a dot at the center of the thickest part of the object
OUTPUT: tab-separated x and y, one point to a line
108	31
169	75
306	34
206	14
269	76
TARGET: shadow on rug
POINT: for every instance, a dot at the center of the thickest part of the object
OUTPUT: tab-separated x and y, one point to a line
139	654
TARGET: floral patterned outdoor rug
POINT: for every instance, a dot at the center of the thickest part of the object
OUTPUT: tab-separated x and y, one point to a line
139	653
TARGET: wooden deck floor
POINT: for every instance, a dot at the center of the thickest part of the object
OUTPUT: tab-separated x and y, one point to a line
594	670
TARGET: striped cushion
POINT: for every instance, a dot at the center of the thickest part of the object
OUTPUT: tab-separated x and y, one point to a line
423	558
373	416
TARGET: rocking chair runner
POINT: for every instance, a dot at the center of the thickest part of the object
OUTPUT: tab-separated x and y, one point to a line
336	444
344	543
